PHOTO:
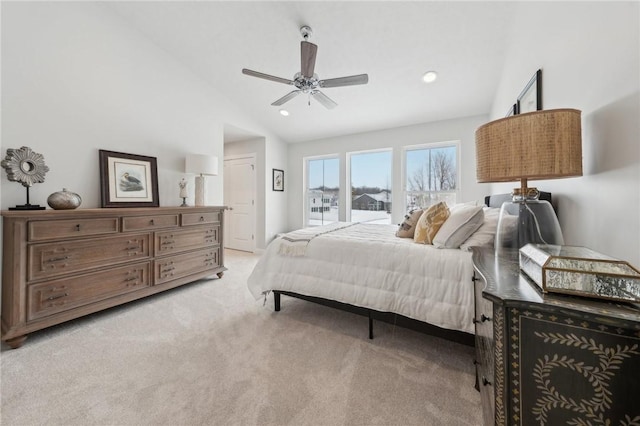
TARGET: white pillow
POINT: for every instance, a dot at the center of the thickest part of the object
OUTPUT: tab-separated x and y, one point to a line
462	205
486	234
462	222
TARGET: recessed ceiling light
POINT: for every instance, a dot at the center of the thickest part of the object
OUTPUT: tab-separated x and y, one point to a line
430	76
284	112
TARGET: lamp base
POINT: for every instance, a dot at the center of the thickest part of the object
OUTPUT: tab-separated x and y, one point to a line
527	221
200	190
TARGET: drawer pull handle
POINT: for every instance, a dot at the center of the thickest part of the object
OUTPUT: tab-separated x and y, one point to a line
151	222
132	248
201	218
57	259
165	243
169	269
485	382
78	227
59	296
131	278
483	318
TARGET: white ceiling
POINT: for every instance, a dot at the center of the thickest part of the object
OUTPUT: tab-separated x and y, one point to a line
394	42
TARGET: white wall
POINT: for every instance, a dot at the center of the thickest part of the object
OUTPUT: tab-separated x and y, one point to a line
276	202
76	78
462	129
590	59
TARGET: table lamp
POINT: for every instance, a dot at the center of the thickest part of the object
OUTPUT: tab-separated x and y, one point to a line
537	145
201	165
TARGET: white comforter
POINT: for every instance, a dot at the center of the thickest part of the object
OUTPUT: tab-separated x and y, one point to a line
368	266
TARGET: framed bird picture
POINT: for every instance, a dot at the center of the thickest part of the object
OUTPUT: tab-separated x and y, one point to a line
128	180
278	180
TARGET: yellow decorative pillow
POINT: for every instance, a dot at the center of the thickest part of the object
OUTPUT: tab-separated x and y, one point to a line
430	222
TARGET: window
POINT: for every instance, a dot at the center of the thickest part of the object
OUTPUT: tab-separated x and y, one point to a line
322	190
370	176
431	174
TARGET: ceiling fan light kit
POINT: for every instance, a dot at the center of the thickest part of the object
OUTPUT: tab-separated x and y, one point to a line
306	81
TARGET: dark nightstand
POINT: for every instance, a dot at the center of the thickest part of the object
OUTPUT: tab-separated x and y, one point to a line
547	359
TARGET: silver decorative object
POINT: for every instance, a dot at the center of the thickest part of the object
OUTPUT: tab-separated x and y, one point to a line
580	271
27	167
64	200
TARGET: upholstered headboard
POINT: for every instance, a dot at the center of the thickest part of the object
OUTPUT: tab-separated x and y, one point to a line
497	199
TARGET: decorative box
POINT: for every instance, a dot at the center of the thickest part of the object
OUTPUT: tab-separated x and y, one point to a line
580	271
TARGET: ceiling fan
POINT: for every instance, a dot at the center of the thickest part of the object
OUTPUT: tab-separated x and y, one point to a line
306	81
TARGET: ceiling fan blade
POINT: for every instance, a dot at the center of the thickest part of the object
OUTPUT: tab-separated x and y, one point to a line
308	58
286	98
266	76
324	99
345	81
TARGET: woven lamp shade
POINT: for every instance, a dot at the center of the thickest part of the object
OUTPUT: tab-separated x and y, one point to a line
536	145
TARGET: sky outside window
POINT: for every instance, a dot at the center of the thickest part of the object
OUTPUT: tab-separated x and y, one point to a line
372	169
324	172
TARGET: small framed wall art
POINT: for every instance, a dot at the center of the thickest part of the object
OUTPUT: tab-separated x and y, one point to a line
530	99
128	180
278	180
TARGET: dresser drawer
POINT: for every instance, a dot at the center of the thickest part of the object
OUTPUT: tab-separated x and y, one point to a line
60	295
69	228
484	342
52	259
183	265
485	348
200	218
178	240
144	223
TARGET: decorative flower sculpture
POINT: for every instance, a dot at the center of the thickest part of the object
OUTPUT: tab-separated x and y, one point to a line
24	166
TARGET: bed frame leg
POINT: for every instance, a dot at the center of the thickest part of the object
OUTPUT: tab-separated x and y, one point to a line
370	326
276	301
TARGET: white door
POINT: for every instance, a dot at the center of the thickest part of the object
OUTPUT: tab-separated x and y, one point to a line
240	196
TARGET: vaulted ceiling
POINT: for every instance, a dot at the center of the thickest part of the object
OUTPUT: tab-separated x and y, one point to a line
394	42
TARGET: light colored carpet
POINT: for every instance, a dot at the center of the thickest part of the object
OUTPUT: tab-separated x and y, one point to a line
208	354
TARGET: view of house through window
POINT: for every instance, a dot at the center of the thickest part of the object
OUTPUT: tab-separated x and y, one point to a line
323	176
431	175
371	186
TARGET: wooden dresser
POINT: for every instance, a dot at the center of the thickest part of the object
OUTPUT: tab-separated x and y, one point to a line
62	264
546	359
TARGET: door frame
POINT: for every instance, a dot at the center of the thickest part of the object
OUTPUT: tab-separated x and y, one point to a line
253	157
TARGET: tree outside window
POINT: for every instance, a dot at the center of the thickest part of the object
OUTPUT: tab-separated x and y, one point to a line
431	175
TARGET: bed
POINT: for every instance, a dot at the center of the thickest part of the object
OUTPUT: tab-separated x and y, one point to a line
369	270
